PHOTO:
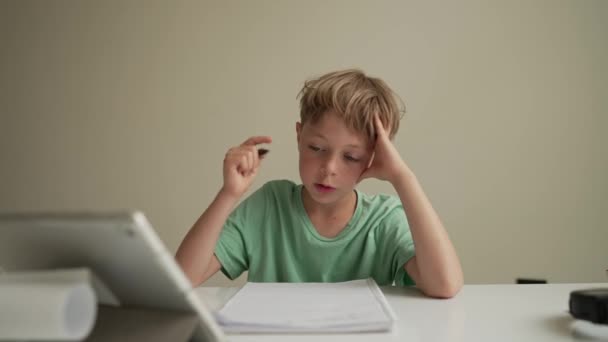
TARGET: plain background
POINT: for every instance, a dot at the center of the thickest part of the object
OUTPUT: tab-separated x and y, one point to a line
132	104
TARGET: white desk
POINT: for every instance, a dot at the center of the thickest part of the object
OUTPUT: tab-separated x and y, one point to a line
477	313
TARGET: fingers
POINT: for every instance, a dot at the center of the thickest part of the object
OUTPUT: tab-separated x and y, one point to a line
379	126
243	159
250	161
262	139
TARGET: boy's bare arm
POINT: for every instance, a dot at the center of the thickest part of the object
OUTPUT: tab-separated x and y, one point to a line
195	253
435	268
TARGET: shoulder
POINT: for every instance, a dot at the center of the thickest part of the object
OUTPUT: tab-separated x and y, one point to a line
383	205
279	185
281	188
383	210
274	187
260	203
275	191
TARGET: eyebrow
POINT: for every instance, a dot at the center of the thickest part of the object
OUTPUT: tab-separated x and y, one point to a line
319	135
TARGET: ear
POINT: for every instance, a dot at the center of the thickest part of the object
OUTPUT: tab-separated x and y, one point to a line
298	131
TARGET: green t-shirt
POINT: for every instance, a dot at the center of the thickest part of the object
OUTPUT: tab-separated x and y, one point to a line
270	235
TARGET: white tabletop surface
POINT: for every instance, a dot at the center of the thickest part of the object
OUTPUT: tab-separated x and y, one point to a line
477	313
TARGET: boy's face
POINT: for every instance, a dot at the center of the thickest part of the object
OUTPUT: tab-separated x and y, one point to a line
332	158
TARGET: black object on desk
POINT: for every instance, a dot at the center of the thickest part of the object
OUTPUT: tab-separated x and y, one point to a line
530	281
590	305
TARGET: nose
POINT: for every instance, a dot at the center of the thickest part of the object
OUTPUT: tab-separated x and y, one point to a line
330	165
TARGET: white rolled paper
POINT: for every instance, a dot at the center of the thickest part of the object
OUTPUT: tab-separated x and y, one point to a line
46	311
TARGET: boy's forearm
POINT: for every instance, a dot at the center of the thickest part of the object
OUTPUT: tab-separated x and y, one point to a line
436	258
196	250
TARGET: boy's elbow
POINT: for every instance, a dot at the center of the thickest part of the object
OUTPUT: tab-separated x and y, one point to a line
447	289
190	275
195	280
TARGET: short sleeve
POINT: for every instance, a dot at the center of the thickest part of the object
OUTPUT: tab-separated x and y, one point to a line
398	246
232	246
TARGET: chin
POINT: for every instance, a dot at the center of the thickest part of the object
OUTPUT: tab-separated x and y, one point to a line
324	199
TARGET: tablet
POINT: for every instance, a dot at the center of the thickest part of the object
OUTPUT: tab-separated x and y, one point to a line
120	248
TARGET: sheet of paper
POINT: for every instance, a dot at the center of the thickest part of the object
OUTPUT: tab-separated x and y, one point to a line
307	307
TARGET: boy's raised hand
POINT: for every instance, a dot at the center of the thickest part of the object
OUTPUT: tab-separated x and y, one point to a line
387	163
241	165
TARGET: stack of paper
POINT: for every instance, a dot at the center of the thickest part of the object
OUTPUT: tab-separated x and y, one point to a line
354	306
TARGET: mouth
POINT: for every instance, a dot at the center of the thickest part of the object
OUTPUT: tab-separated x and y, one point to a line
324	188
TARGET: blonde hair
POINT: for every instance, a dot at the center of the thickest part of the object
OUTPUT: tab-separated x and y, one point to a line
354	97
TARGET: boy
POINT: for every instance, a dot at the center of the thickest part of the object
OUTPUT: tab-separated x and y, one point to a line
324	230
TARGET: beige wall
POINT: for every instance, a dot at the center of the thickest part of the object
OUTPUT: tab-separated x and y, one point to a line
114	104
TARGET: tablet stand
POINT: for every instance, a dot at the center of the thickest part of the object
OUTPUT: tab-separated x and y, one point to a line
112	322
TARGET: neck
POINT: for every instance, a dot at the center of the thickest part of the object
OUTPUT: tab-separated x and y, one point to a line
344	207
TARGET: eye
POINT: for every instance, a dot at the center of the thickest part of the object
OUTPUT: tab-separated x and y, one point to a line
350	158
314	148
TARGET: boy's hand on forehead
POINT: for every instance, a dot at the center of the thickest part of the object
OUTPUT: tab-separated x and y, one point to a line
241	165
386	163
